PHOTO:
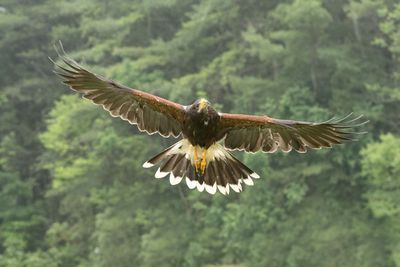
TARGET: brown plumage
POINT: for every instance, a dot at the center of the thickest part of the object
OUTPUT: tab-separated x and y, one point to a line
201	156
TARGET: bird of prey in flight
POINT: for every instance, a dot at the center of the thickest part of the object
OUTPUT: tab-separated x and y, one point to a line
202	156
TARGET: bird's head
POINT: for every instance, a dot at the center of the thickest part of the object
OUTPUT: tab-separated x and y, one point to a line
201	105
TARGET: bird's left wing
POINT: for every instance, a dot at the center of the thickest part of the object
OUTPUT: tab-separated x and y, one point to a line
253	133
149	112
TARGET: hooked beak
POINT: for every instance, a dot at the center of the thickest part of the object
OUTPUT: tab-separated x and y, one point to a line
202	105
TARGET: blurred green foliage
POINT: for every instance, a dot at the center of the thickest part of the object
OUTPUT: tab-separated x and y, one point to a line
72	189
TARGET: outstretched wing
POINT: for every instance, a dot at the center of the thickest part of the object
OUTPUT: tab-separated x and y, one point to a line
149	112
253	133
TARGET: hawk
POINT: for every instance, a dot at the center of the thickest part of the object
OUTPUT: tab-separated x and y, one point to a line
202	156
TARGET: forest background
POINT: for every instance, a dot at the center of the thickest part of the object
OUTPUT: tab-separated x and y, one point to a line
72	189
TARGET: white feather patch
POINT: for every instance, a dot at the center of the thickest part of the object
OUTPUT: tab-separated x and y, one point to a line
222	189
200	187
159	174
211	189
255	175
235	188
147	165
227	189
191	184
174	180
216	151
248	181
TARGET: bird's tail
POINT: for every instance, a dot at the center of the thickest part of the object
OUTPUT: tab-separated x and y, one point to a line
223	171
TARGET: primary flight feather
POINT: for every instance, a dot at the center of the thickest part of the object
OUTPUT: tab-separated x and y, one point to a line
201	157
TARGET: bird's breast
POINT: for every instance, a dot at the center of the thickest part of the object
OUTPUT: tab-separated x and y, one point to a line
200	129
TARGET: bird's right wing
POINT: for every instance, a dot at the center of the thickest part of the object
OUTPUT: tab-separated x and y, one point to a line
253	133
149	112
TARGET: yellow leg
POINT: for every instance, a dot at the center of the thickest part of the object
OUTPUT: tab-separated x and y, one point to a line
196	160
203	163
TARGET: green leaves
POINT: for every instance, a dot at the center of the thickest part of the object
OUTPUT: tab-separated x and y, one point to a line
381	165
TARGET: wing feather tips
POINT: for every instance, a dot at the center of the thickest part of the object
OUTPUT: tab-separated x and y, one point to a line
211	189
255	175
288	135
248	181
174	180
227	172
191	183
236	187
147	165
114	97
160	174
